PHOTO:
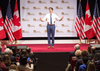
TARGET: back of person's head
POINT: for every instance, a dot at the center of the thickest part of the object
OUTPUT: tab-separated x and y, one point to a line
97	56
24	52
7	51
84	53
6	60
77	47
13	67
23	60
85	60
89	49
78	53
28	49
0	48
93	49
91	66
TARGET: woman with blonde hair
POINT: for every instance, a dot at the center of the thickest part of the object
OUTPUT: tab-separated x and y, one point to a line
78	54
91	66
13	67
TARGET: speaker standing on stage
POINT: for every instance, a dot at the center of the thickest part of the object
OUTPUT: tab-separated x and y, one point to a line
51	17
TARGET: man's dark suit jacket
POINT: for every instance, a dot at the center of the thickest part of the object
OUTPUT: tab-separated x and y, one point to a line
91	56
71	55
78	63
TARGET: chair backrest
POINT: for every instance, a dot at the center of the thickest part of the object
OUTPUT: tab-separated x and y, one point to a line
73	62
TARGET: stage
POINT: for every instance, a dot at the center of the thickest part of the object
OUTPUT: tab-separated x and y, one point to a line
58	47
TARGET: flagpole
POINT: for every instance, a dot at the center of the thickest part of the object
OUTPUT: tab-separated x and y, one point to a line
80	39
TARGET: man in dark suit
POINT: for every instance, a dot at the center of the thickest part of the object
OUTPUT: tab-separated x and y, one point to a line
91	55
76	47
79	61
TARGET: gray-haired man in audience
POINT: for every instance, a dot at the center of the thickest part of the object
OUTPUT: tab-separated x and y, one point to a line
76	47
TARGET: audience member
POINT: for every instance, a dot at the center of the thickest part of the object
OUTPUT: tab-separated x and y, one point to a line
2	65
91	66
76	47
79	61
23	65
89	49
84	62
91	55
78	54
6	60
9	52
96	58
24	52
13	67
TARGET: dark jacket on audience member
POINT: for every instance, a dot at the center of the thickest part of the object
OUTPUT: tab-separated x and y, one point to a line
12	58
71	55
78	63
91	56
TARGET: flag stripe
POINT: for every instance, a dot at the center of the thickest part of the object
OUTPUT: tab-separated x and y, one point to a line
96	21
8	23
79	23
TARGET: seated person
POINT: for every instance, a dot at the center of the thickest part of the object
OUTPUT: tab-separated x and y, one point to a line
91	55
9	52
13	67
79	61
91	66
2	65
89	49
6	60
23	64
78	54
84	66
96	58
76	47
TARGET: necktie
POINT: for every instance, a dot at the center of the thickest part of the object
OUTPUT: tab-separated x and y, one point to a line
51	19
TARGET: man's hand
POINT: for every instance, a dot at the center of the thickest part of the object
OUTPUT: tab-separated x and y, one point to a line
61	18
41	19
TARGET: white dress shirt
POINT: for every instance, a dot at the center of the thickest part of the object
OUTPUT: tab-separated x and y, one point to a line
54	17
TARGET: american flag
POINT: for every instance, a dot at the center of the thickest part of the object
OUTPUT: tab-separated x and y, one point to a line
8	23
79	23
96	22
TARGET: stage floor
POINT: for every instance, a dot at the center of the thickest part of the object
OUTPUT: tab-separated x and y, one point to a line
58	47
